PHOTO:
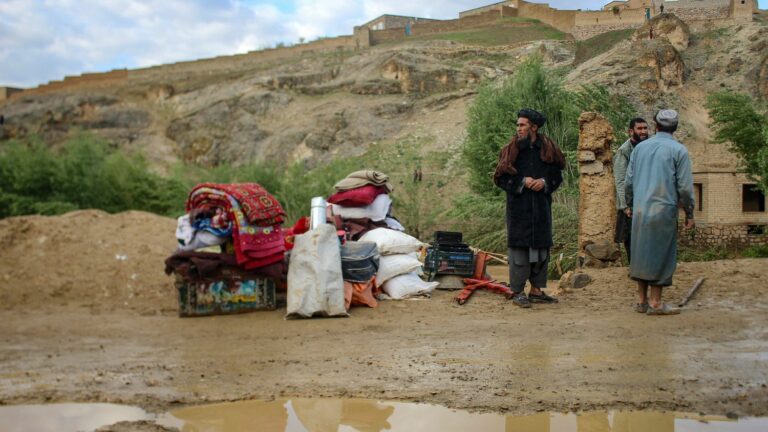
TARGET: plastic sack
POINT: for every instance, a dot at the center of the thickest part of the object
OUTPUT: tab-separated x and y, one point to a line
394	265
315	284
391	242
360	293
408	285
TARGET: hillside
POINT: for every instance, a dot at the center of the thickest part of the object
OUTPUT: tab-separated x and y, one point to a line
315	107
680	72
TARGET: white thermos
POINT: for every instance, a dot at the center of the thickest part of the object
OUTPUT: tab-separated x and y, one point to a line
317	213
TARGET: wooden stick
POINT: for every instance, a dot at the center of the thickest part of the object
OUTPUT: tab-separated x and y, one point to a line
501	260
496	256
693	290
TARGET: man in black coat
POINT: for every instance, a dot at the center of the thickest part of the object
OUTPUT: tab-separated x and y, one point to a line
529	171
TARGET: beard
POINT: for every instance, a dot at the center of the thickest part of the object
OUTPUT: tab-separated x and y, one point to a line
524	141
638	138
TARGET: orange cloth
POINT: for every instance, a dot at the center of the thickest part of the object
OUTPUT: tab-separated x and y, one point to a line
361	294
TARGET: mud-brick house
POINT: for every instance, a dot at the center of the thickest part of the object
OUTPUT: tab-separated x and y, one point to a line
729	209
386	22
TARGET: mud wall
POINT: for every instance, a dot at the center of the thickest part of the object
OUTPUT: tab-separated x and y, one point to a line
115	77
388	22
692	10
640	4
588	24
6	92
728	235
443	26
228	63
597	196
383	36
563	20
481	9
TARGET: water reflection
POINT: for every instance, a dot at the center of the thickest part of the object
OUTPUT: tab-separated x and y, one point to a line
336	415
332	415
66	417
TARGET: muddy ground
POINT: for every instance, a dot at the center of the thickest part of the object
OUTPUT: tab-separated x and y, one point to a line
87	315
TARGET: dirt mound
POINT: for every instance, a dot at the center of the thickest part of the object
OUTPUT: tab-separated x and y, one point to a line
88	258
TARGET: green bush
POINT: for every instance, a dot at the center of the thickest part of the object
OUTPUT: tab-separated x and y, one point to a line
755	252
480	214
696	254
85	173
492	118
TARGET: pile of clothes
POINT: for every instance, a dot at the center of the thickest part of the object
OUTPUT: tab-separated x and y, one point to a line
381	253
242	217
362	203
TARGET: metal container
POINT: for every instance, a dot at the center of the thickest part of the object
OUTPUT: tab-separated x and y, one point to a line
317	213
229	292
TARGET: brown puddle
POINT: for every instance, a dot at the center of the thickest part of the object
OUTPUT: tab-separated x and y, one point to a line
326	415
336	415
66	416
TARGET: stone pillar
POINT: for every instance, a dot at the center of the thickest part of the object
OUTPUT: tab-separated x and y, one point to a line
597	196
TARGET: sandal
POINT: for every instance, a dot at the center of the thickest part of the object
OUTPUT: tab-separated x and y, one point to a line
641	307
665	309
521	300
542	298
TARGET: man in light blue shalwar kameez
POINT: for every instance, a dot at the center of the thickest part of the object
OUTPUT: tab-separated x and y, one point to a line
658	181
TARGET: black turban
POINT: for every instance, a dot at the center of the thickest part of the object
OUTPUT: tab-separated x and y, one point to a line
534	116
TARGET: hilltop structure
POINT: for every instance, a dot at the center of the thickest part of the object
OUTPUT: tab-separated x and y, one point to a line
619	14
7	92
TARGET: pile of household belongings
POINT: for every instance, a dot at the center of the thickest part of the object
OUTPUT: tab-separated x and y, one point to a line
243	220
376	254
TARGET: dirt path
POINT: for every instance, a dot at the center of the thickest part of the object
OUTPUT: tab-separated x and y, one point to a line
591	351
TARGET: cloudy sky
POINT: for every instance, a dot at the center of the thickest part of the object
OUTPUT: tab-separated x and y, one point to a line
42	40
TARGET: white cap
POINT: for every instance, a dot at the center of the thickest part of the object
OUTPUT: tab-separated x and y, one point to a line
667	118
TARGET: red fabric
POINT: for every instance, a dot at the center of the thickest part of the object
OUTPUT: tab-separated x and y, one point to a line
300	227
252	264
258	246
359	197
258	205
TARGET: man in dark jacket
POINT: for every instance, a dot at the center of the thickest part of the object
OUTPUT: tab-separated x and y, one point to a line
529	171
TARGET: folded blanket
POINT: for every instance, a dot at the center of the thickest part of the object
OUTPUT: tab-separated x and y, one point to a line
258	205
358	197
257	237
364	177
376	211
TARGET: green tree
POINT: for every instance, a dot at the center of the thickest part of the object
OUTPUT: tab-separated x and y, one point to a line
742	123
492	118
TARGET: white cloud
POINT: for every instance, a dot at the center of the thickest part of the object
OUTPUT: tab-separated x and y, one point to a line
43	40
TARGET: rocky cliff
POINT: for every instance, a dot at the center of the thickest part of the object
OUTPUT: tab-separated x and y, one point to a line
315	107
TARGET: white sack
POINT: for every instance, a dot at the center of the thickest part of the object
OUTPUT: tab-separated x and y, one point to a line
390	242
395	265
315	284
408	285
375	211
